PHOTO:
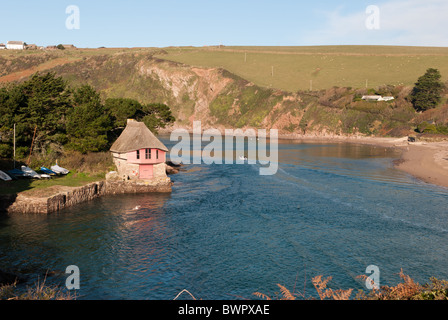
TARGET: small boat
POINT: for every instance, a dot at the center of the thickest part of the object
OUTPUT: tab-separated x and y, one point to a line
48	171
56	168
28	172
4	176
242	158
16	173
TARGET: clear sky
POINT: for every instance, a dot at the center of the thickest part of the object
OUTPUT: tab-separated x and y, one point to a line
134	23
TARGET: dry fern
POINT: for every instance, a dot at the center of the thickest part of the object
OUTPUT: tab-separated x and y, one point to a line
324	292
262	295
287	295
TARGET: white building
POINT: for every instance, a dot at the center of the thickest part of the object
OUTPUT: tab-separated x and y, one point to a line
2	46
377	98
15	45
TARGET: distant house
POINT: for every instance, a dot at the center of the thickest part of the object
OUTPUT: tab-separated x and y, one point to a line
138	154
377	98
2	46
15	45
69	46
31	47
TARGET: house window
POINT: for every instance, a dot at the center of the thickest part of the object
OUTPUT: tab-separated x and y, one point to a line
148	154
138	154
157	154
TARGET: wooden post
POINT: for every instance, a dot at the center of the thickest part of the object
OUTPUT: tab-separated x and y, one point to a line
32	143
14	145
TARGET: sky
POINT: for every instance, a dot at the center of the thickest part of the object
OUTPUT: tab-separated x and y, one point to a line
138	23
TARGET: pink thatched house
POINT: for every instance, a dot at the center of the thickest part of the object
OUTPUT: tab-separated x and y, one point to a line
138	154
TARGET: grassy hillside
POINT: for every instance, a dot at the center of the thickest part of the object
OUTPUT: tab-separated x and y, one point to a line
233	87
302	68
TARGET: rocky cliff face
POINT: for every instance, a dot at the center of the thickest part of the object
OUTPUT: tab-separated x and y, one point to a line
220	99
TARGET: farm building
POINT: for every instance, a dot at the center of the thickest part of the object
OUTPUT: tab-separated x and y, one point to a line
138	154
377	98
2	46
15	45
31	47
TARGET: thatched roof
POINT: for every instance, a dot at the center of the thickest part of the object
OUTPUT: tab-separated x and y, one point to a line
136	136
16	42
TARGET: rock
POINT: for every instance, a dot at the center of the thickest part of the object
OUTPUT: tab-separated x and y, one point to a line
171	170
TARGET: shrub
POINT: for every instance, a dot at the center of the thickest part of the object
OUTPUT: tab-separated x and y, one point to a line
6	151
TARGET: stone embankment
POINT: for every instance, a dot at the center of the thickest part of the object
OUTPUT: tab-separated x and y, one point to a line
56	198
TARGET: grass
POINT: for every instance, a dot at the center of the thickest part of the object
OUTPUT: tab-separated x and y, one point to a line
249	97
40	291
84	169
73	179
326	66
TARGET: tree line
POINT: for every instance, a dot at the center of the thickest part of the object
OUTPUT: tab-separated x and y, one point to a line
52	116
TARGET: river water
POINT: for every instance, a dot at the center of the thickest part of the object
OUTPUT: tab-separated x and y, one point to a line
226	232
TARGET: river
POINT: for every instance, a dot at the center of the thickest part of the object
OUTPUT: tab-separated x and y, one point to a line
226	232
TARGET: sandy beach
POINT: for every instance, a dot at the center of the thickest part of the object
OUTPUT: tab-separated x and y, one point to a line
427	161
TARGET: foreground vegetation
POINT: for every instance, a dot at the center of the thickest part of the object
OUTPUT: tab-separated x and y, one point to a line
408	289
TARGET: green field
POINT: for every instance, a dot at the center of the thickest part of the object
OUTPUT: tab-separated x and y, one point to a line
303	68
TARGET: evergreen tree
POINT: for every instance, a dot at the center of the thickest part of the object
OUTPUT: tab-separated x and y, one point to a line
427	93
88	122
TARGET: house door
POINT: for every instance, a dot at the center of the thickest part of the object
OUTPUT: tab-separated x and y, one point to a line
146	171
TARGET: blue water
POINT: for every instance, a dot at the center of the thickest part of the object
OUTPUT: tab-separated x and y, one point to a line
226	232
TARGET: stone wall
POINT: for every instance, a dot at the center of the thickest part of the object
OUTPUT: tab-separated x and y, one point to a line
58	198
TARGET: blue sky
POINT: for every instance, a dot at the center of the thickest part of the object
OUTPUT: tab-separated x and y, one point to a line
150	23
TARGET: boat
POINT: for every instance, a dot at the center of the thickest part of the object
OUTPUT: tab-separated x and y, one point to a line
4	176
15	173
56	168
28	172
48	171
242	158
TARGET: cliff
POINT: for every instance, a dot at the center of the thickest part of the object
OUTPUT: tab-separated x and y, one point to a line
221	99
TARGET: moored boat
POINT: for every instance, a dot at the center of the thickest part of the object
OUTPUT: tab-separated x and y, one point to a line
28	172
48	171
56	168
4	176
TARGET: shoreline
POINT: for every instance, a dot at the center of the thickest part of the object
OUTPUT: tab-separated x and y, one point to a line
426	161
56	198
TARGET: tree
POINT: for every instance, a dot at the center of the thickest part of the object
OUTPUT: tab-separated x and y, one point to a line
427	93
122	109
38	103
88	122
155	115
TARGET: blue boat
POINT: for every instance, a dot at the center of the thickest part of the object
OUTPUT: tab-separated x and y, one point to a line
48	171
16	173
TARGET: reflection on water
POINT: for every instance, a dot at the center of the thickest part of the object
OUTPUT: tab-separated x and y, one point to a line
226	232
